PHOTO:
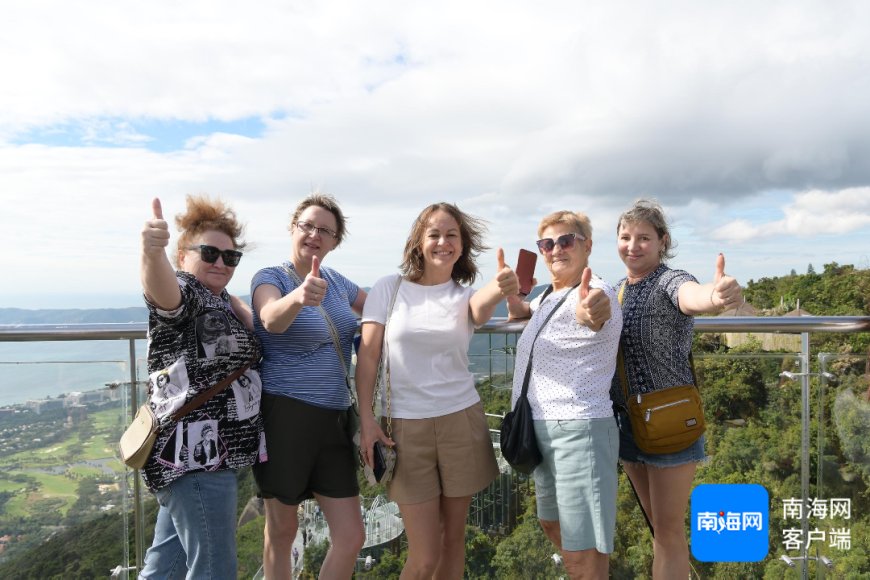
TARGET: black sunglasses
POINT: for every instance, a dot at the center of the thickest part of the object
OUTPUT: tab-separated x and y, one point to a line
565	241
210	254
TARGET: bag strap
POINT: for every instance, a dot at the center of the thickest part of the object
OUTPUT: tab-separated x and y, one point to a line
205	396
336	341
524	392
620	358
384	367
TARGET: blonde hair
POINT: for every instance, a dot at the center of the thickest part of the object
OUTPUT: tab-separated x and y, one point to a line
574	219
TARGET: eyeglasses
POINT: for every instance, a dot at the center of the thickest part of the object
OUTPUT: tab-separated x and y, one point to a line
309	228
565	241
210	254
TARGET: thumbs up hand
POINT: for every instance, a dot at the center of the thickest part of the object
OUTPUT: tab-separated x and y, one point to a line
313	288
593	305
585	278
506	278
155	233
726	293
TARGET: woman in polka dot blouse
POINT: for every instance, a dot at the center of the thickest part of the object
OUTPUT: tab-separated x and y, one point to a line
574	361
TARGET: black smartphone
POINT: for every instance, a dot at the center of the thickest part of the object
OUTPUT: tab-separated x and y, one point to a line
379	464
526	270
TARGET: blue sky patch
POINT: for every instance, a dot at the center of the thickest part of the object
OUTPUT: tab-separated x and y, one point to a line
156	135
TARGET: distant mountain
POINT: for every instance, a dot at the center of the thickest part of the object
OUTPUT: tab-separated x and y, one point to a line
78	315
73	315
130	314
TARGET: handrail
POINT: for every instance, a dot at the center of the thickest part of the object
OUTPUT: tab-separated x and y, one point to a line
138	330
779	324
84	331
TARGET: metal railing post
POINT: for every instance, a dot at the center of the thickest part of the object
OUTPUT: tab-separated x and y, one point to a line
805	451
138	512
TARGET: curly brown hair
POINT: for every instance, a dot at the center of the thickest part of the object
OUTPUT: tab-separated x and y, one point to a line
204	214
471	230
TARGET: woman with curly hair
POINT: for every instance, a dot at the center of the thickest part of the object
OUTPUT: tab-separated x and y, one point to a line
192	468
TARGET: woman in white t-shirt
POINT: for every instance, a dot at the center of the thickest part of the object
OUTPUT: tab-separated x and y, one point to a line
439	428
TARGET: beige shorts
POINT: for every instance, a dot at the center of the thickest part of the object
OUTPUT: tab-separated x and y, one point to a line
450	456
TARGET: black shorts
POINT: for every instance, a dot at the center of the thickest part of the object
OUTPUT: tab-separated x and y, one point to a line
309	452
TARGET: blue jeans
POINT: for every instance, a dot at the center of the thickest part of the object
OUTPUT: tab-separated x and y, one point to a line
195	534
629	451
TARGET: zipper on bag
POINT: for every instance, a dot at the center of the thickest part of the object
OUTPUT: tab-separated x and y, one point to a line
665	406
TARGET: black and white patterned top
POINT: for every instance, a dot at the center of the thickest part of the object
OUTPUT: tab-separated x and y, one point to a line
656	336
191	349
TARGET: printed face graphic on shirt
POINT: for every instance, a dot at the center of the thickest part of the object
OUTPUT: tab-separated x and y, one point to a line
202	438
168	388
246	391
214	335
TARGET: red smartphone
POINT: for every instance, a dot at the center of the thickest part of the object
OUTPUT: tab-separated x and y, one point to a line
526	270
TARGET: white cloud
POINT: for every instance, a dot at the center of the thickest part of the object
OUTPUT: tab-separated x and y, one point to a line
811	214
511	109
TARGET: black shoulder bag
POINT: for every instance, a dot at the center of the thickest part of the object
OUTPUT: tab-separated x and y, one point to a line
519	446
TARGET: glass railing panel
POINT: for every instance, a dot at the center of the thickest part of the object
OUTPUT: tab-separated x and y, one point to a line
840	517
753	436
63	407
491	356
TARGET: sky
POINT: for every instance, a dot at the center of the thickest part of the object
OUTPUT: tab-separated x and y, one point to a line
749	121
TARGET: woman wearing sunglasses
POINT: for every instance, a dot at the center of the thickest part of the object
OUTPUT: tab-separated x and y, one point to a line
189	311
297	306
440	432
659	305
568	391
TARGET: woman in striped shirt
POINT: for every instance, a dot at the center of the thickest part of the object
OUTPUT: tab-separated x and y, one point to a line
305	395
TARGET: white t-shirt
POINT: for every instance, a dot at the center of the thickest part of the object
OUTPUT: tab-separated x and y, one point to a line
428	337
573	366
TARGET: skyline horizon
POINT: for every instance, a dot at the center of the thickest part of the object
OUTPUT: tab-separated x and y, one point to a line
122	301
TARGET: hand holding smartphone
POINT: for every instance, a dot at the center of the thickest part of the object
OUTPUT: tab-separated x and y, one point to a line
526	270
379	463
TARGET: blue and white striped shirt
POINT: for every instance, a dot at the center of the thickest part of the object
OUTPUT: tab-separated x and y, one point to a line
301	362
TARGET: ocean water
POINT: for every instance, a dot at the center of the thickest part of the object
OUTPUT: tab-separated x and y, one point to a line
36	370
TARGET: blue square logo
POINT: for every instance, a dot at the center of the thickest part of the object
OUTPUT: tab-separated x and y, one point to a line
730	522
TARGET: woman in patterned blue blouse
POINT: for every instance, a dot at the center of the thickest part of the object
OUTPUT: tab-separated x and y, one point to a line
658	306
